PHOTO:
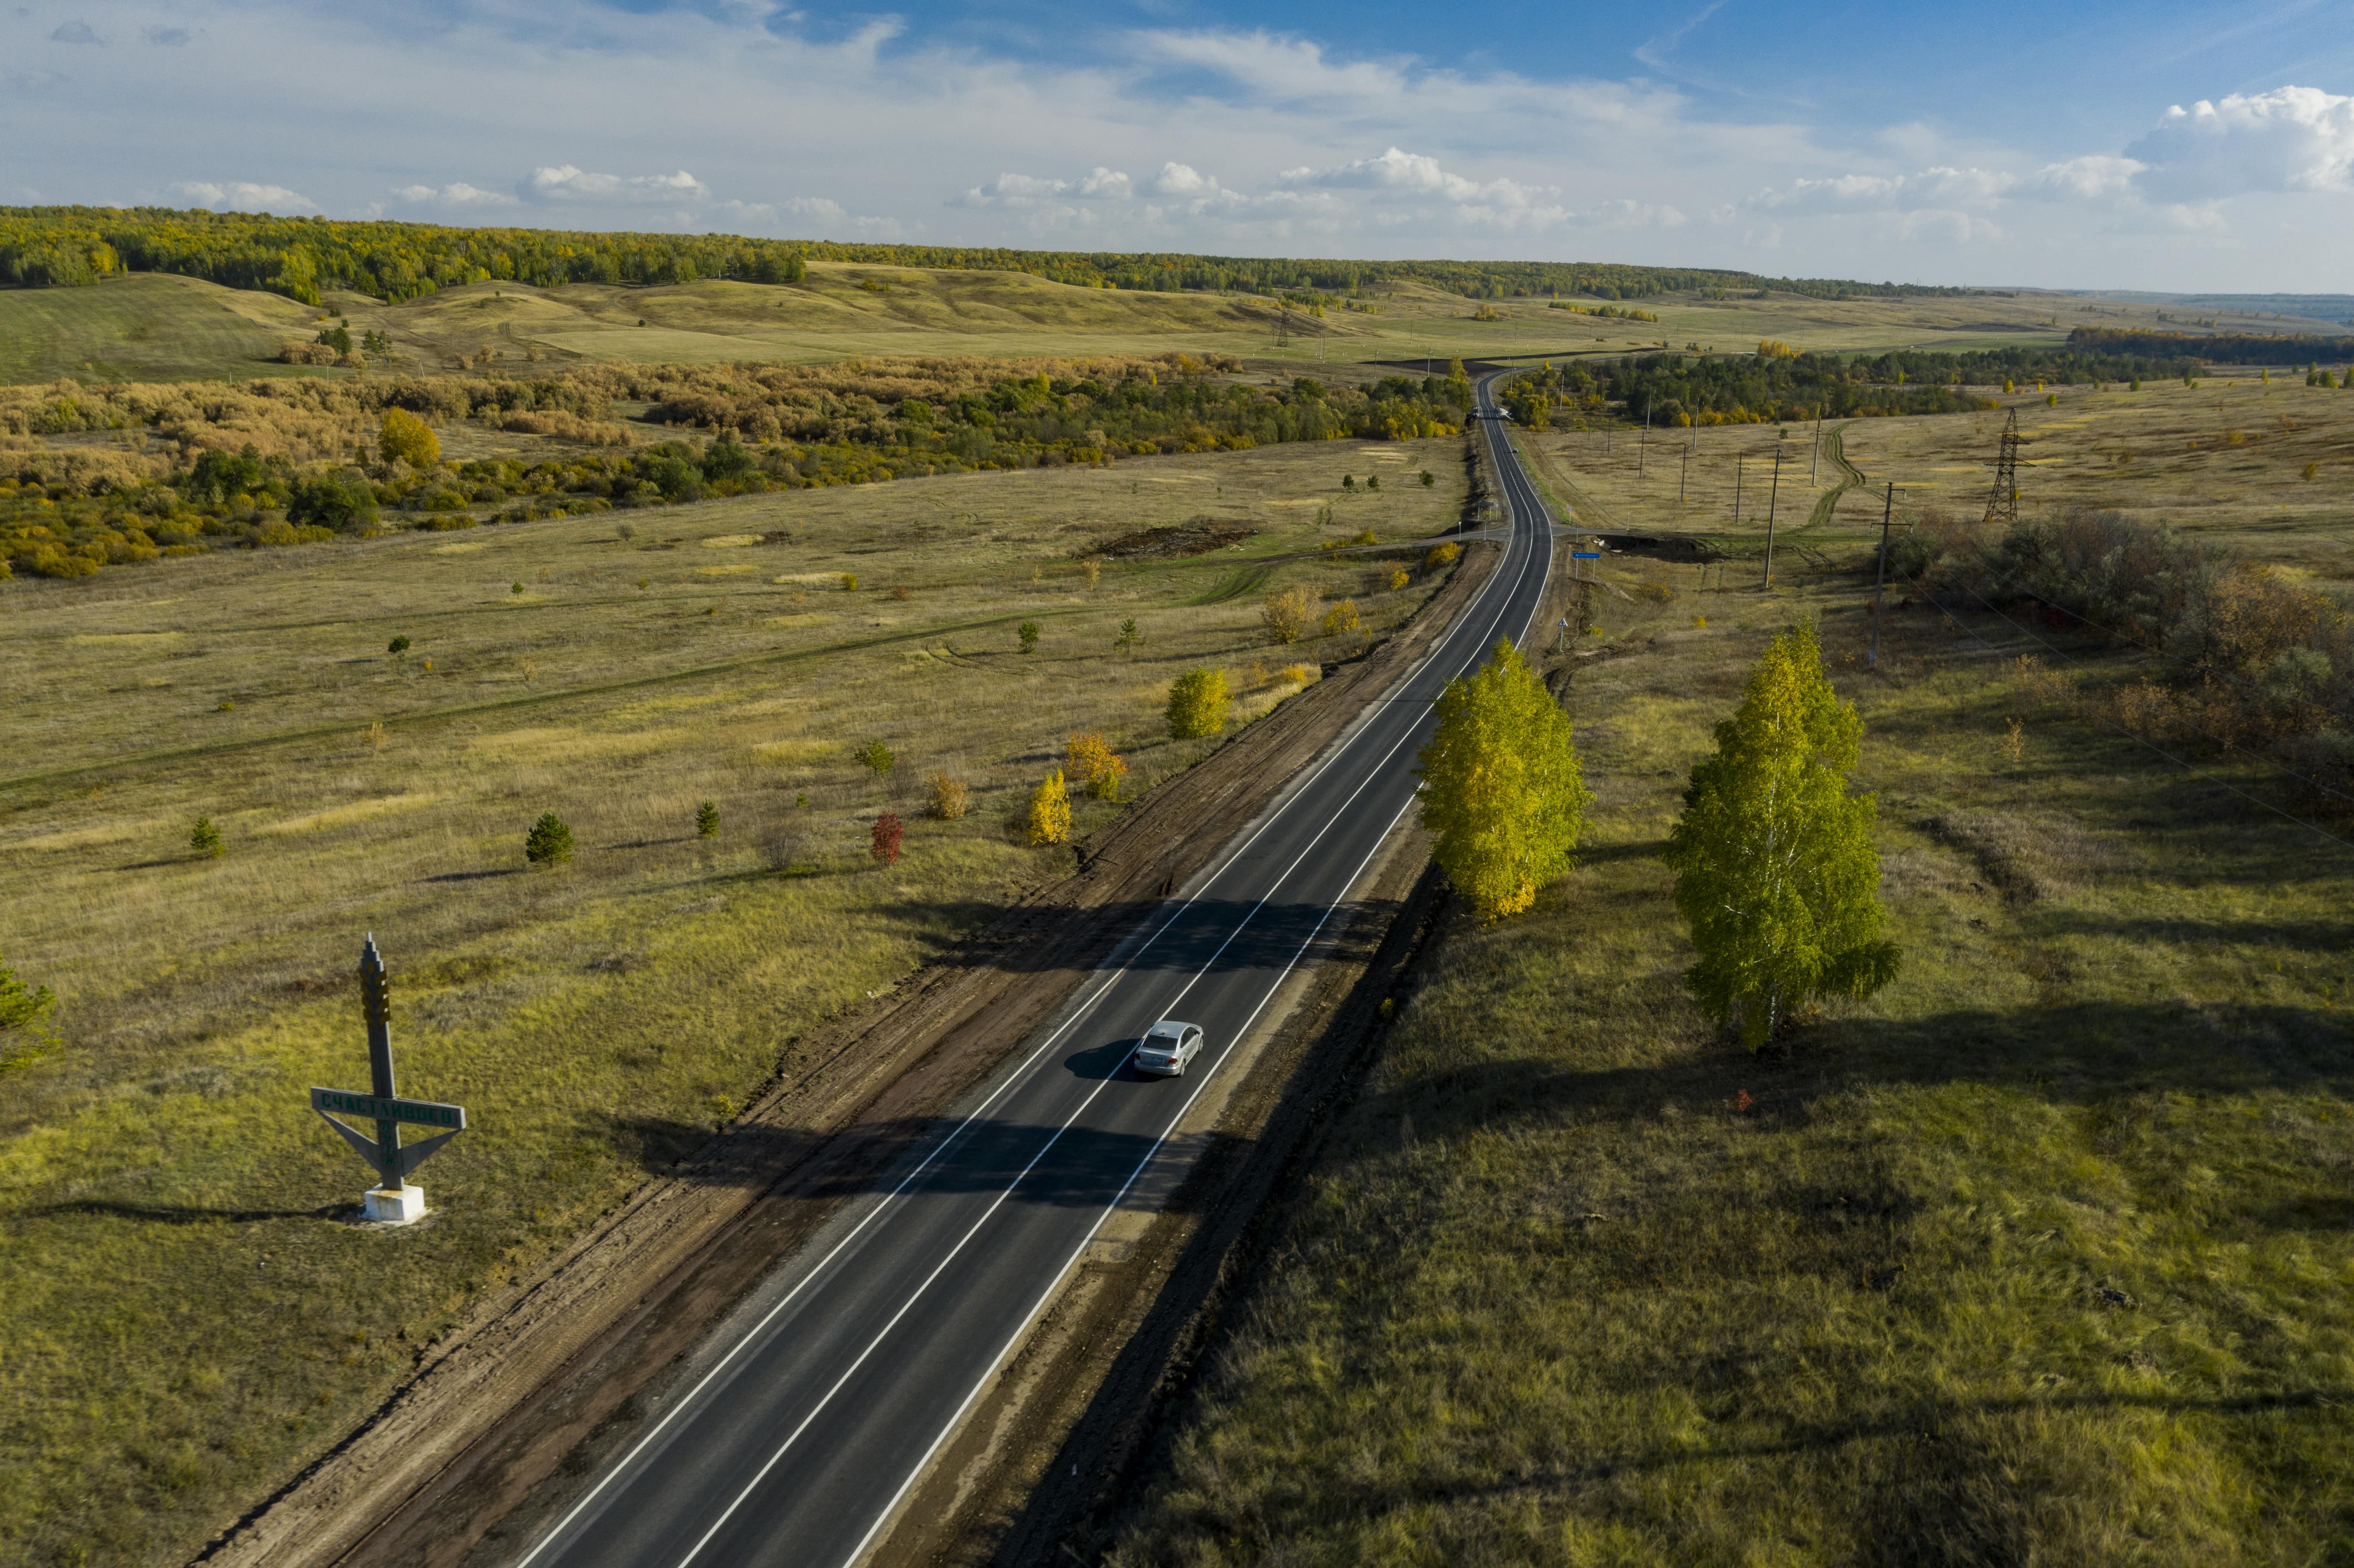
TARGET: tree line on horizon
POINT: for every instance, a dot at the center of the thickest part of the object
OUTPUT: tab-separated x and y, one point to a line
302	258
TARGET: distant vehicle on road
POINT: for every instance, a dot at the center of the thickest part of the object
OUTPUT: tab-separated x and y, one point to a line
1167	1046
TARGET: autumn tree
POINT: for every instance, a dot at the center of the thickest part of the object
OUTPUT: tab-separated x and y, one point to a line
1775	871
1197	705
1089	759
405	438
23	1036
1500	786
1290	611
1050	812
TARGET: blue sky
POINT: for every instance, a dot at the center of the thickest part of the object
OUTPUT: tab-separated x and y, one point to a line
2154	146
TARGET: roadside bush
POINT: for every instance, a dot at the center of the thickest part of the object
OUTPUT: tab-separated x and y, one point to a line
1197	705
1050	812
1397	579
1441	556
1289	612
550	842
1089	759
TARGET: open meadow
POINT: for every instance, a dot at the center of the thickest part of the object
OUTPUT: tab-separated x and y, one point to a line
2044	1254
2268	468
150	327
192	1319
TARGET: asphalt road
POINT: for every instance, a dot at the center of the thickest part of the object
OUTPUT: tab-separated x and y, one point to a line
800	1425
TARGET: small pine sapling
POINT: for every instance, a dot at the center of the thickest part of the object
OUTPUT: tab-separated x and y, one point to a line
889	830
397	646
1050	812
875	756
550	842
23	1037
1128	635
1028	632
1428	479
706	820
205	839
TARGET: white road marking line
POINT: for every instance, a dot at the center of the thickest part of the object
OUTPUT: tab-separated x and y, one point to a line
1020	1076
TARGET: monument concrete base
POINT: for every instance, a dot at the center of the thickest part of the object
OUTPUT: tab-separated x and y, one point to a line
395	1205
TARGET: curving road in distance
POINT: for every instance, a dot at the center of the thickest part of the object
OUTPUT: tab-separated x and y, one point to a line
796	1432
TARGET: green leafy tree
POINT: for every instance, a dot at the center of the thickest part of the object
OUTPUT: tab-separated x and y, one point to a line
1775	871
875	756
204	839
397	646
1500	786
23	1037
1197	705
550	842
706	820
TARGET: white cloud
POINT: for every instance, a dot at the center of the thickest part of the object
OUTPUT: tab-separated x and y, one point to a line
2290	139
456	194
168	38
567	181
76	32
1183	180
244	195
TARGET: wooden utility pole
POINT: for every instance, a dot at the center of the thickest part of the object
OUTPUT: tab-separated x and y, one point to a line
1739	463
1815	463
1683	473
1774	496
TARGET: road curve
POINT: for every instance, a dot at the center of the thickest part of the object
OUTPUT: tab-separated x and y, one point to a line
796	1431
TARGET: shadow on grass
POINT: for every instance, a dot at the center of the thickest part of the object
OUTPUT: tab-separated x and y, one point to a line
181	1214
473	876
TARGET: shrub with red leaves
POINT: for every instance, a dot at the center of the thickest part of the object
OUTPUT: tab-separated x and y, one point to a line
888	830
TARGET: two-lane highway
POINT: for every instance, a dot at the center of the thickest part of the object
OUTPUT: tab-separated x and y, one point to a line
795	1436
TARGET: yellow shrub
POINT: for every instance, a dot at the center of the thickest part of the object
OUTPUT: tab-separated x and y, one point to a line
1441	557
1050	812
1342	618
405	438
950	797
1091	760
1397	579
1289	612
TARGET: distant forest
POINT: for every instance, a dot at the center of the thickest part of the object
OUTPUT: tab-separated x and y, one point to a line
2215	348
302	257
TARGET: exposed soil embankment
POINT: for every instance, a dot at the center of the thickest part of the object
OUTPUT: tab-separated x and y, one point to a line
493	1415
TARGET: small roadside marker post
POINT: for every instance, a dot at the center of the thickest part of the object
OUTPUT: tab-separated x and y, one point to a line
1561	636
1880	581
393	1202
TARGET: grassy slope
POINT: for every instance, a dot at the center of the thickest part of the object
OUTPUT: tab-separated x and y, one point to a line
189	1319
148	327
144	328
1551	1295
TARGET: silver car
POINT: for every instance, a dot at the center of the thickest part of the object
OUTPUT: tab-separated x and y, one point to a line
1167	1046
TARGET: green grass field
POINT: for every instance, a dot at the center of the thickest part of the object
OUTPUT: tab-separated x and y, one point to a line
2044	1256
190	1318
150	327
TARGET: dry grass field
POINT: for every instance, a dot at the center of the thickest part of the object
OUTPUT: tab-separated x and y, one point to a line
2044	1254
2268	467
150	327
191	1318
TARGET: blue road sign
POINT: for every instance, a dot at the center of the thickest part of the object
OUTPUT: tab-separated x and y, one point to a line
1585	555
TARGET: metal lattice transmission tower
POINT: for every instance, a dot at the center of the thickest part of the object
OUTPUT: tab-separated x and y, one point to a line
2002	506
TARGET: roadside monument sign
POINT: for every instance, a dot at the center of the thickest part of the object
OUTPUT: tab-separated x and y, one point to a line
393	1200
